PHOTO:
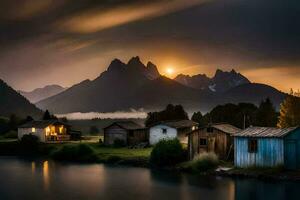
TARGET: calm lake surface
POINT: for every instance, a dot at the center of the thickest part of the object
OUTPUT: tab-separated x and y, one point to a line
25	179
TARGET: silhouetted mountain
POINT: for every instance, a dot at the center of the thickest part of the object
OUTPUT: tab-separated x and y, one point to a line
221	82
11	102
134	86
42	93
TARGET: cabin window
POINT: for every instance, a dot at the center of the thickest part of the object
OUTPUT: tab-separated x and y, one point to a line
164	130
203	141
33	130
210	129
252	146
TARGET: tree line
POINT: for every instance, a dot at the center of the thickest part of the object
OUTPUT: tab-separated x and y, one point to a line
241	115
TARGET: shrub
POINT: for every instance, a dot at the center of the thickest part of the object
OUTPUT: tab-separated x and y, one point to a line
167	153
29	143
119	143
77	153
205	162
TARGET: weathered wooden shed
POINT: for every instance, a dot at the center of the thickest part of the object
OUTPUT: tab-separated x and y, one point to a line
268	147
128	131
217	138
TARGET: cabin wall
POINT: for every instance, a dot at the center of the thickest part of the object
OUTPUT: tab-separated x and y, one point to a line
292	150
137	136
270	152
217	142
40	133
114	132
156	134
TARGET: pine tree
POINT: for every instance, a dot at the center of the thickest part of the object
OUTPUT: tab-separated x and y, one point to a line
266	114
289	112
198	117
47	115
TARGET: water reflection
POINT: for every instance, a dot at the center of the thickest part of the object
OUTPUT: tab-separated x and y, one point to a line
32	167
46	174
21	179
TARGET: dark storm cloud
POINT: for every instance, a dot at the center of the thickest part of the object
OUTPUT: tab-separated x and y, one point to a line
86	34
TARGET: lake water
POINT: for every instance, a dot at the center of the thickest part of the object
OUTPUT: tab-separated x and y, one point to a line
25	179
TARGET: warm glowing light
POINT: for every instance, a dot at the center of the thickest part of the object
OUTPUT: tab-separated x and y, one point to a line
170	71
61	129
33	130
47	131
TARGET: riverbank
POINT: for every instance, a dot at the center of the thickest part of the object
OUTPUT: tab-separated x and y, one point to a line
140	158
100	154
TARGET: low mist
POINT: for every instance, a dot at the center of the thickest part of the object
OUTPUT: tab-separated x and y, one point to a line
109	115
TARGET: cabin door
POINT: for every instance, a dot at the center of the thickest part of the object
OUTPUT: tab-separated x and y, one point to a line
290	157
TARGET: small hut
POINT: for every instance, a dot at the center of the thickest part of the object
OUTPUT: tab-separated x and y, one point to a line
170	130
129	132
268	147
217	138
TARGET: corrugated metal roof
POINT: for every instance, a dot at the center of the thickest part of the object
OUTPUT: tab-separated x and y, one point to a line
128	125
226	128
40	124
265	132
179	123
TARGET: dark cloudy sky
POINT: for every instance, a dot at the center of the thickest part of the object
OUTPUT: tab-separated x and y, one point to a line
66	41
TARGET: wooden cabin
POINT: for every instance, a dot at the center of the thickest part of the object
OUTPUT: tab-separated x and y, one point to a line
217	138
170	130
46	130
129	132
267	147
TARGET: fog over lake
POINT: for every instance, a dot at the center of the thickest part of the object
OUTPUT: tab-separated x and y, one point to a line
108	115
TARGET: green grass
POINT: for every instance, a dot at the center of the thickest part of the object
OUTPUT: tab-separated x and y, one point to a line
123	153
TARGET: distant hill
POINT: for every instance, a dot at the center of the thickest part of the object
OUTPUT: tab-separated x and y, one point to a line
221	82
11	102
254	93
42	93
135	85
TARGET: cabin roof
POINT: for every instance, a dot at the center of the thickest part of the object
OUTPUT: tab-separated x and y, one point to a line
226	128
128	125
265	132
41	123
178	123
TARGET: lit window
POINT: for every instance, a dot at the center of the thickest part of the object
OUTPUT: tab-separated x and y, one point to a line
33	130
61	129
47	131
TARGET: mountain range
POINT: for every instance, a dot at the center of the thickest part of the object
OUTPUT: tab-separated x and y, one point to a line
11	102
221	82
42	93
133	85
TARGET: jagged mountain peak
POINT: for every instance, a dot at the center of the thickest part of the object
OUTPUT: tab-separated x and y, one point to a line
116	65
152	71
135	62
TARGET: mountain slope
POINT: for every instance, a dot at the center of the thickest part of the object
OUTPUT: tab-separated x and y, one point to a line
42	93
253	93
111	91
11	102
